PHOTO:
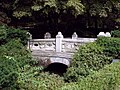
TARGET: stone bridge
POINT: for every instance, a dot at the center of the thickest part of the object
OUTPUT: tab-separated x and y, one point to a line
56	50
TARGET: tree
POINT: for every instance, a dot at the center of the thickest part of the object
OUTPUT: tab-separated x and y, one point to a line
64	15
102	13
31	8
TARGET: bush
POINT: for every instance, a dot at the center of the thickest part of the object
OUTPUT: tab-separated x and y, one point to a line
107	78
13	56
18	71
17	50
115	33
111	46
92	57
3	34
88	58
8	71
17	34
7	33
32	78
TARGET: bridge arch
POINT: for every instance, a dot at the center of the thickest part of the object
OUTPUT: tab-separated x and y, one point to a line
57	68
60	60
57	65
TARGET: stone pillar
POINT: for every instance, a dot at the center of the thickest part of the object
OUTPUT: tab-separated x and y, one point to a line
29	38
108	34
59	38
47	35
101	34
74	36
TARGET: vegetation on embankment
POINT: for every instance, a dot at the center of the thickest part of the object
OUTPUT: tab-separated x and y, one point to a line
91	67
107	78
92	57
17	69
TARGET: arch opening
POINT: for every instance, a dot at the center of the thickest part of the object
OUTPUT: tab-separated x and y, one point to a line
56	68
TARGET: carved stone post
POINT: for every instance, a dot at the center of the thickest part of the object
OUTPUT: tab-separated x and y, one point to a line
59	38
108	34
74	36
101	34
29	38
47	35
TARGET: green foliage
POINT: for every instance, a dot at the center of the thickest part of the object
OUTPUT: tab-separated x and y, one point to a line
18	70
16	49
99	12
13	33
76	6
51	3
115	33
6	34
19	14
88	58
107	78
3	34
13	56
57	6
8	71
32	78
92	57
111	46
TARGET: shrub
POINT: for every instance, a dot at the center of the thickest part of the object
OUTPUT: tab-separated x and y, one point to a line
8	71
13	57
92	57
3	34
107	78
70	86
17	50
115	33
111	46
13	33
7	33
20	71
32	78
88	58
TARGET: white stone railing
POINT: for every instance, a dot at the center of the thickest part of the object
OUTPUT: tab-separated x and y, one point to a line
41	44
59	44
71	45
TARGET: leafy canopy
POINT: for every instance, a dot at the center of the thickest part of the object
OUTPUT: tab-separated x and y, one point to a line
21	9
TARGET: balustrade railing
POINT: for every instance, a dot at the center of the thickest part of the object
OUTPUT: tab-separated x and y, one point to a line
42	44
58	44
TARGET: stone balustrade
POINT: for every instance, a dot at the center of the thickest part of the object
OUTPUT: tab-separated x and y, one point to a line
42	44
61	44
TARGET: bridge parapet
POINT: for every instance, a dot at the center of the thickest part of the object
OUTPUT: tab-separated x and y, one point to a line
42	44
71	45
58	44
